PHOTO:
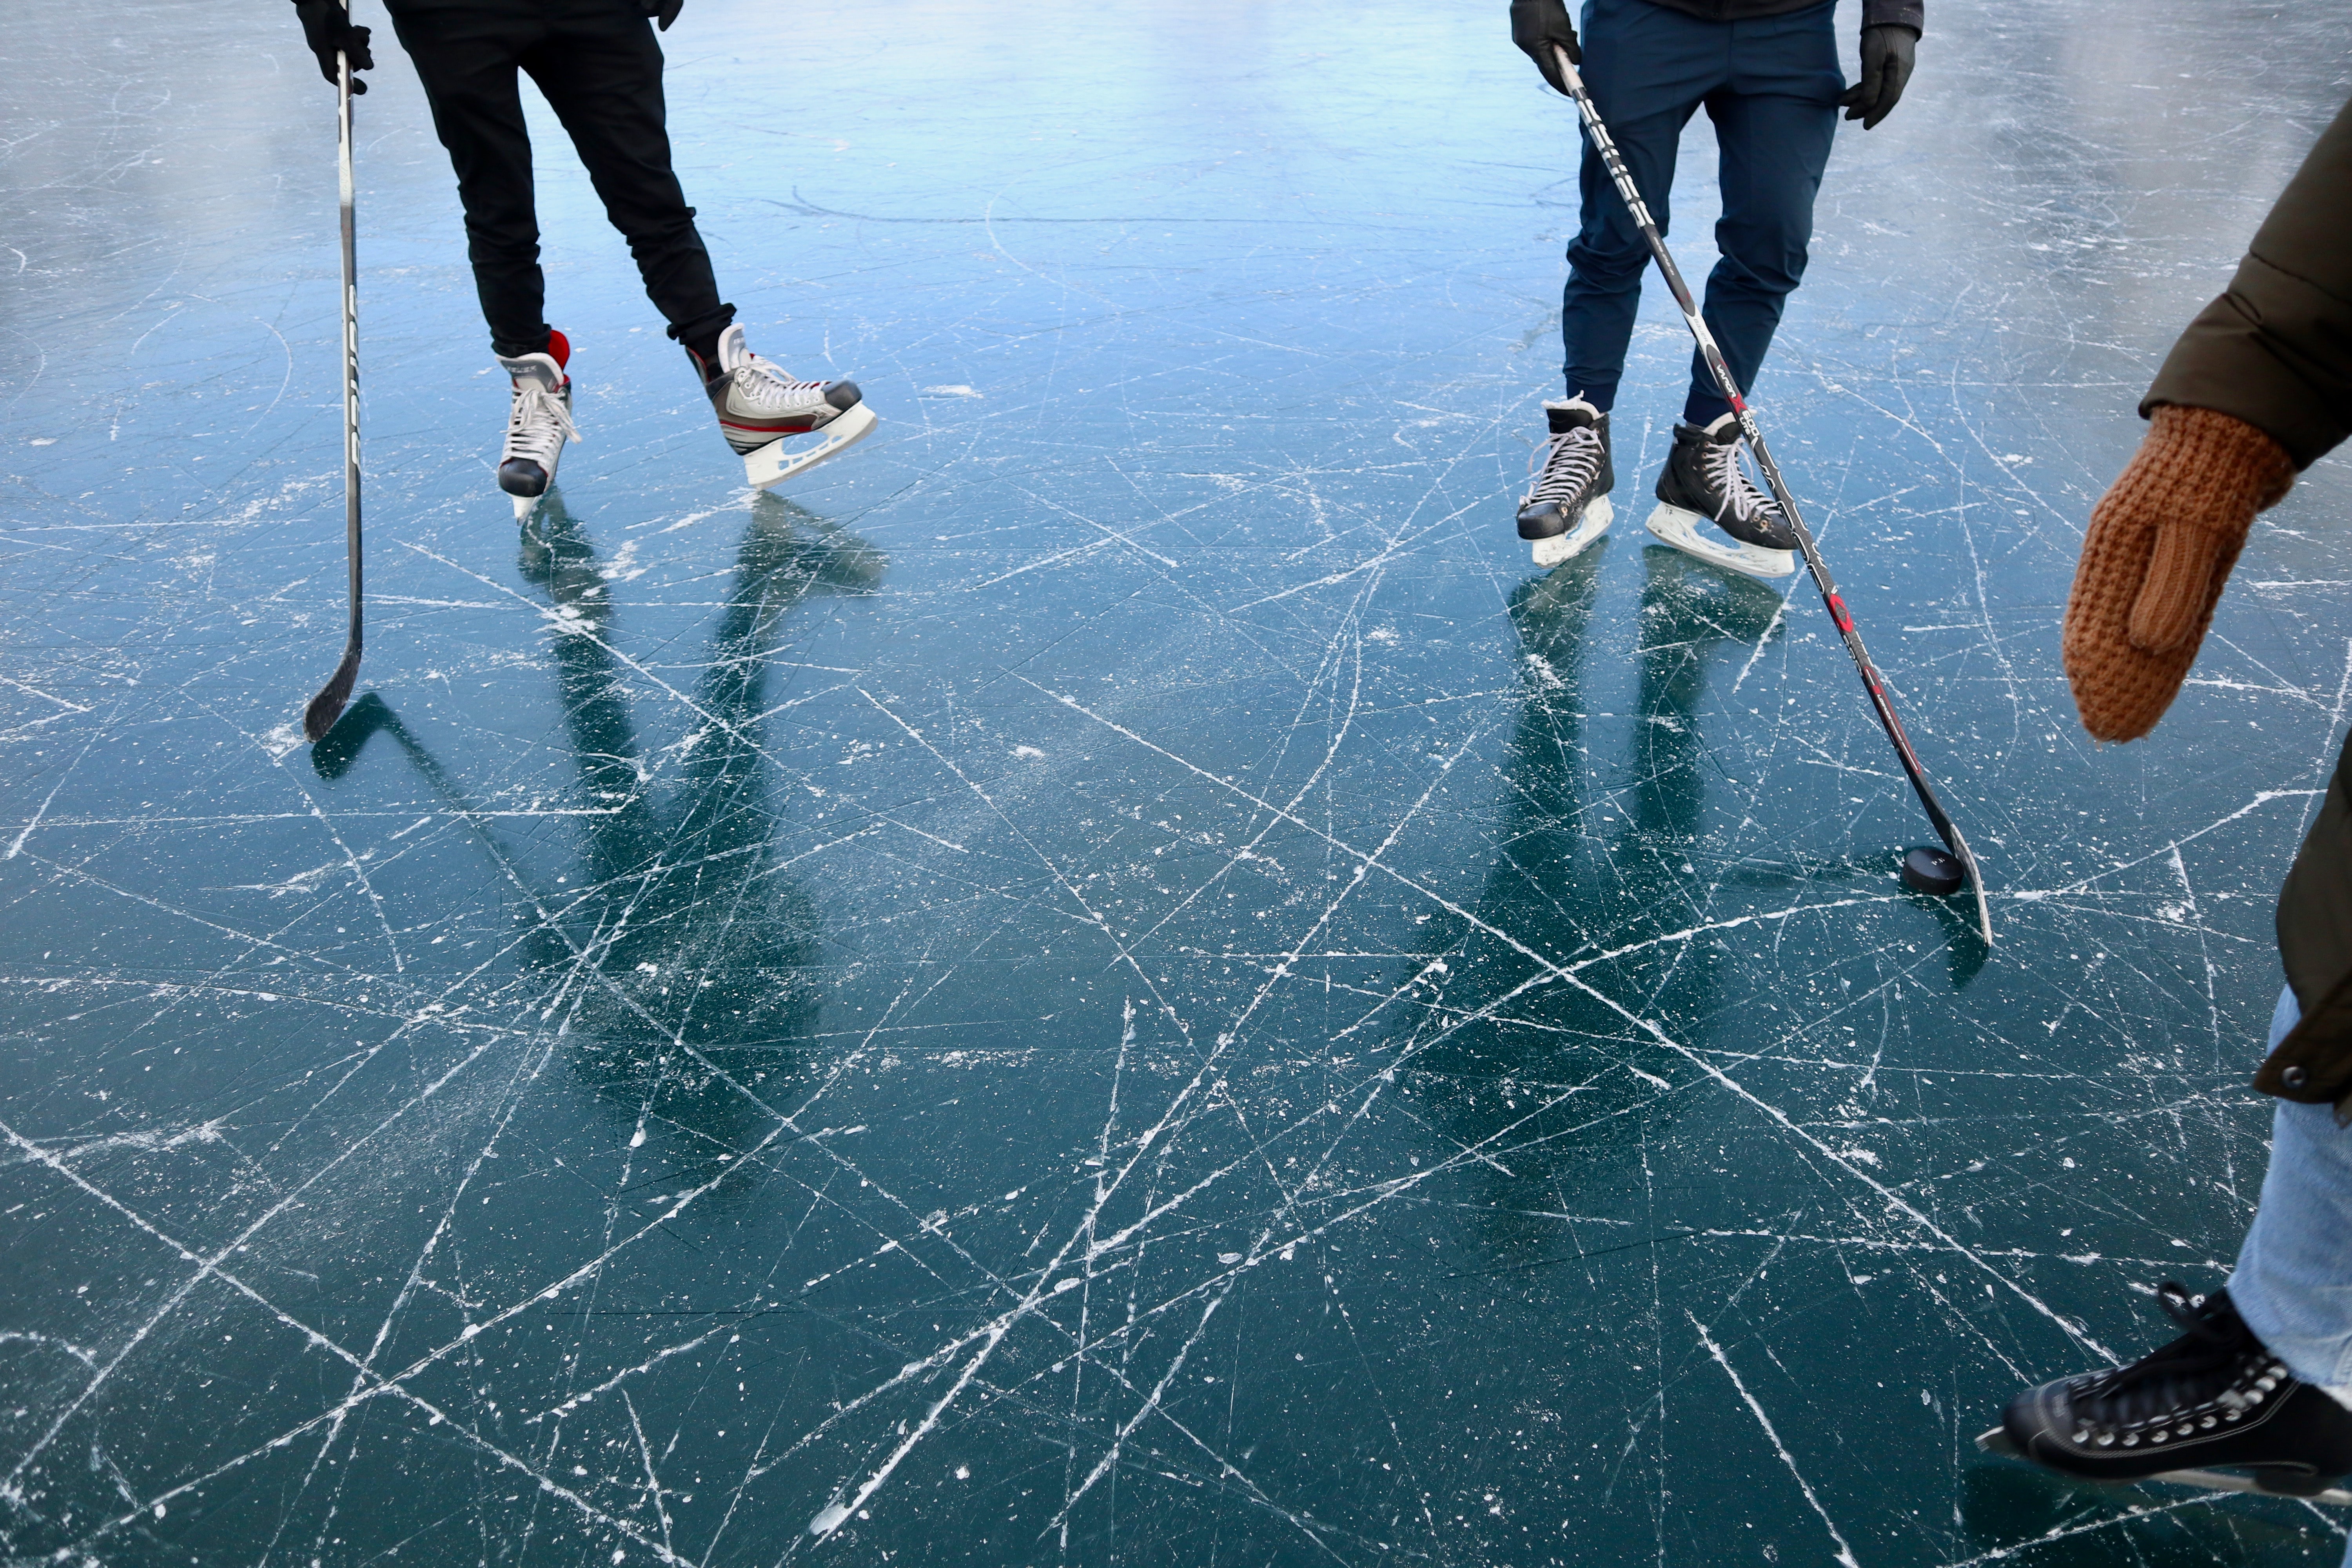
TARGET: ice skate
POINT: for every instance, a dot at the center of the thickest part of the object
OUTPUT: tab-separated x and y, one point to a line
539	422
761	408
1704	484
2215	1397
1566	507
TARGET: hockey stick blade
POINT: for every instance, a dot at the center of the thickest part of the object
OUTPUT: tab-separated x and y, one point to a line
1597	131
1996	1441
319	715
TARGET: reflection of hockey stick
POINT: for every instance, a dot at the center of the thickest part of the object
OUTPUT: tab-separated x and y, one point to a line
333	757
1996	1441
321	715
1927	870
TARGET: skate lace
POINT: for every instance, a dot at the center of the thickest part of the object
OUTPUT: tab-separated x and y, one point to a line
1569	462
539	425
1741	497
767	390
2202	1367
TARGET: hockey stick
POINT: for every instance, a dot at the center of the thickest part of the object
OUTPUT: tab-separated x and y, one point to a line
325	708
1624	179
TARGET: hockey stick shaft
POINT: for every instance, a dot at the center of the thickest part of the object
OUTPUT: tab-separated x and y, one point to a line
1622	178
319	716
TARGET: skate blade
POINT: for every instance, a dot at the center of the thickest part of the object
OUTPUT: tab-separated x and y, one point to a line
772	464
1681	529
1561	547
1996	1441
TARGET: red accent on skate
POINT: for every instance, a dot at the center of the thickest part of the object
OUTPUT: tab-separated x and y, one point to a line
1837	613
794	425
559	348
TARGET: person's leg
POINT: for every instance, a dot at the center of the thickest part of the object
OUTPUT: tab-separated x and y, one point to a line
601	71
464	56
2293	1281
1647	68
1774	122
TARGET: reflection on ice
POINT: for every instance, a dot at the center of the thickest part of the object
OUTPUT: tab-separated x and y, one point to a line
1111	975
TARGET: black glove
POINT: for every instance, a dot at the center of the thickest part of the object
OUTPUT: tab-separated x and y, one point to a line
326	27
1889	53
663	12
1536	27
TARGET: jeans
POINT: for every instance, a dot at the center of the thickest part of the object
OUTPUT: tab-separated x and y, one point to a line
596	63
1770	85
2293	1281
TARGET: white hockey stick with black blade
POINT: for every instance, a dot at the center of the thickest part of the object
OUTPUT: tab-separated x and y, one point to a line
1923	869
319	716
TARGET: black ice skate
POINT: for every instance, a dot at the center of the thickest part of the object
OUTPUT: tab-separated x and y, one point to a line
539	422
1704	483
1568	506
760	407
2214	1396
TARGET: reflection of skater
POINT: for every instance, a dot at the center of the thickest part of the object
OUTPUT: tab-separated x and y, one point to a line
2259	387
695	932
1766	72
1557	869
681	943
596	63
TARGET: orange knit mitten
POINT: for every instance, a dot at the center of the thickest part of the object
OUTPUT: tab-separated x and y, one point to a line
2161	544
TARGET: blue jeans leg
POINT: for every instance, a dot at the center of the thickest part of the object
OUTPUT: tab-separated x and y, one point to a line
2294	1279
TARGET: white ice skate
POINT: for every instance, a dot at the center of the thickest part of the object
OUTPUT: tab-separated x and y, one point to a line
760	409
1708	508
539	422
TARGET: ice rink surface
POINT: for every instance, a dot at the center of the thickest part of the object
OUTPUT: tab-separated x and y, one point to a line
1113	977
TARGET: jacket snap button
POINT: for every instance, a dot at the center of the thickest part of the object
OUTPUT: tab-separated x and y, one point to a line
2295	1078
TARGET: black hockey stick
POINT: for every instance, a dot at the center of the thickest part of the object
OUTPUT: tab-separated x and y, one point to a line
325	708
1926	877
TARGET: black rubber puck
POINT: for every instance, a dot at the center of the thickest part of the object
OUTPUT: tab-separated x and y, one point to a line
1927	871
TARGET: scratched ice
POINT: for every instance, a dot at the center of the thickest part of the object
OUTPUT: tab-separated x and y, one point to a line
1113	978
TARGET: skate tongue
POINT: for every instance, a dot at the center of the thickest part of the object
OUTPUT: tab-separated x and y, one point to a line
541	371
1570	414
733	352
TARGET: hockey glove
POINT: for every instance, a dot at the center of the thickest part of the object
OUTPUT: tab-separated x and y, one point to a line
2160	545
1536	27
327	27
663	12
1889	53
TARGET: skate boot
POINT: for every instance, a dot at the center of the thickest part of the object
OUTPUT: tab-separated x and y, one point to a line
539	422
1568	506
1702	483
2214	1396
760	407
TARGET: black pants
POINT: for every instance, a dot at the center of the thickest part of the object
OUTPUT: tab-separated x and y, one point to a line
600	69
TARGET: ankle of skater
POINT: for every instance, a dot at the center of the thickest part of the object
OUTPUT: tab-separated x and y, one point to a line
701	337
1703	408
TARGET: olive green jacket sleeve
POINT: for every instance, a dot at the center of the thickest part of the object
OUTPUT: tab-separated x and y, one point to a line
2276	350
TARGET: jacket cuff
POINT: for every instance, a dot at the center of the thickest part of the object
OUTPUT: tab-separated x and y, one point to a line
1911	14
2244	356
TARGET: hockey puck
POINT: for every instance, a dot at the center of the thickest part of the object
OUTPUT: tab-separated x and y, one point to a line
1927	871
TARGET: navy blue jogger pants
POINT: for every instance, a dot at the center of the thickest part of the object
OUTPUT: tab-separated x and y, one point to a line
1772	87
